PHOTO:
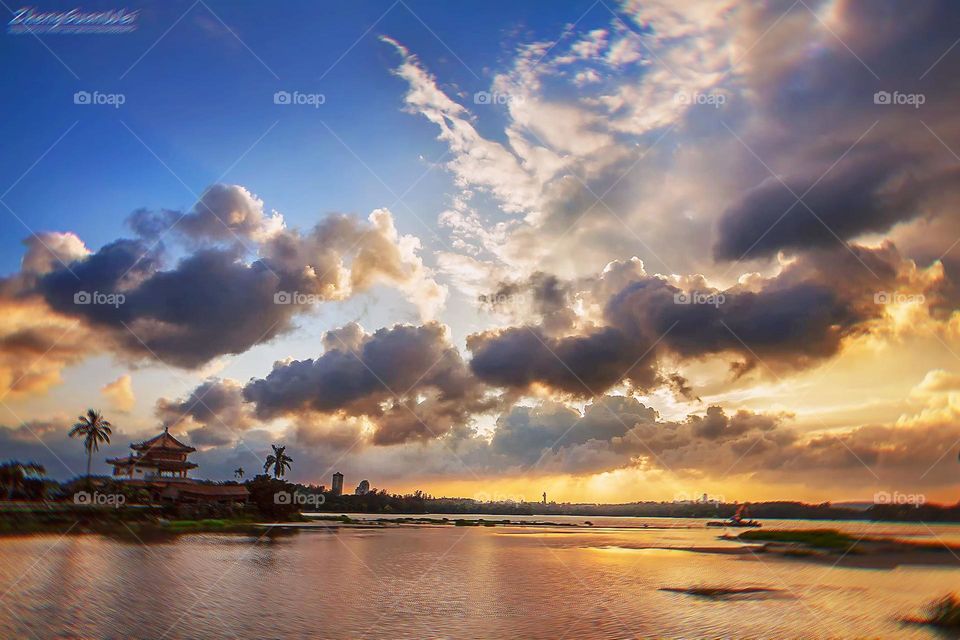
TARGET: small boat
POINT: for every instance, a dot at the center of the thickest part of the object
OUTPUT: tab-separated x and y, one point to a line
736	520
734	523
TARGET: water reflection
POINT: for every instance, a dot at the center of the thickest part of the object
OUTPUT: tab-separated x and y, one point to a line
445	581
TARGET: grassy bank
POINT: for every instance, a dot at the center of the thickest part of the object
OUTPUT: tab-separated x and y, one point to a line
128	522
945	612
821	539
825	545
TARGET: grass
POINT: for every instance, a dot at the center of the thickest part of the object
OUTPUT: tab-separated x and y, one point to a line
718	592
825	539
210	525
944	612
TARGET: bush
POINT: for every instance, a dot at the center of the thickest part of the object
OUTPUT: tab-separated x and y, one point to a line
945	612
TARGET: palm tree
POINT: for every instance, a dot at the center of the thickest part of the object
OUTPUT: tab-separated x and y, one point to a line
95	429
279	460
238	472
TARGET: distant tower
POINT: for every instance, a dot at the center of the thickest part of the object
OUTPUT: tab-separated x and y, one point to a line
363	488
544	497
337	483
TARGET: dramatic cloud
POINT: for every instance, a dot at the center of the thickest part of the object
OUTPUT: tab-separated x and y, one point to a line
580	365
409	380
795	318
216	300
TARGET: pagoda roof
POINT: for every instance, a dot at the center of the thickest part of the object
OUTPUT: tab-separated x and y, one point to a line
162	441
152	463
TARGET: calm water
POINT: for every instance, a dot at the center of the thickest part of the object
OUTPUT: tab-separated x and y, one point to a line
454	582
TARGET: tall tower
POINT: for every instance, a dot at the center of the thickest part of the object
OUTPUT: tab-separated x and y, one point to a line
544	497
337	483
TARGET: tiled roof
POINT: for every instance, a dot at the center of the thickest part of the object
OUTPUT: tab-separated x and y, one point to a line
162	441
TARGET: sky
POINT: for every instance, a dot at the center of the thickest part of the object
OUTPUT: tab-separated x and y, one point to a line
610	251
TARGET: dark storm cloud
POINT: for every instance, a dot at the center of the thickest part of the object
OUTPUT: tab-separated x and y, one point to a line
582	365
859	196
217	300
859	165
210	304
408	379
793	319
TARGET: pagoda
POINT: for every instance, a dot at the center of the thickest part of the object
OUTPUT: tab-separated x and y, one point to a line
162	456
159	466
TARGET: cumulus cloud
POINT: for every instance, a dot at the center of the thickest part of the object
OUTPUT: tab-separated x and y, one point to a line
791	320
217	299
409	380
119	393
223	213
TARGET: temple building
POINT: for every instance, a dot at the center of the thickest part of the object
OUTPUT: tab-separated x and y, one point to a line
160	466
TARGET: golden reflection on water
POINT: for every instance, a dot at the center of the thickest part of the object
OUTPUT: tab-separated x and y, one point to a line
447	582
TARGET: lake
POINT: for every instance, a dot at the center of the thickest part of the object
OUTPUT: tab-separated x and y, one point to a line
457	582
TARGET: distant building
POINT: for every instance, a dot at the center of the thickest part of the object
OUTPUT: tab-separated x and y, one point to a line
363	488
159	465
337	483
544	497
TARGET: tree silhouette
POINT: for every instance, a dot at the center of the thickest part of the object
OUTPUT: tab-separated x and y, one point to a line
13	475
94	429
279	460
